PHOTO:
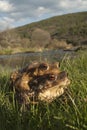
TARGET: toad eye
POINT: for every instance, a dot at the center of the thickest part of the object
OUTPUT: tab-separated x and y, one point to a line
52	77
43	66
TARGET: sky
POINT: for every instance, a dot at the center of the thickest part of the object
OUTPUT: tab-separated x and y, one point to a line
14	13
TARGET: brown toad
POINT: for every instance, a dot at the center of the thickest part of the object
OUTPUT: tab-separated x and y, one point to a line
39	81
21	78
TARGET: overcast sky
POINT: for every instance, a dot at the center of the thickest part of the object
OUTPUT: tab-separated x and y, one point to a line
15	13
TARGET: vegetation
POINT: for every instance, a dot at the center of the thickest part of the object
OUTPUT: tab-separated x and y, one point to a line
69	112
40	38
5	51
70	28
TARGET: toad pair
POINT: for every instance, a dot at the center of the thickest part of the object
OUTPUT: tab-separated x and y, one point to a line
39	81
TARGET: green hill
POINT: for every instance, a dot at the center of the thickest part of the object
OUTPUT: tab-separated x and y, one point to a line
67	26
71	28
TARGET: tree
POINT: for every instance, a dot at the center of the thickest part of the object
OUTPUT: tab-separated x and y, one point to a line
40	38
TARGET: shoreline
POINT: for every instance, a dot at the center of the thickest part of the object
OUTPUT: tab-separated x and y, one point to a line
25	51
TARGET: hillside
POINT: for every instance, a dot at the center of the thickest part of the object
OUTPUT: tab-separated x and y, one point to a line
71	28
64	26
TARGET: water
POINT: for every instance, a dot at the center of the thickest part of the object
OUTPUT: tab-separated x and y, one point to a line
21	59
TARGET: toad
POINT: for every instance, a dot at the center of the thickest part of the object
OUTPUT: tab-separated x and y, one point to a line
39	82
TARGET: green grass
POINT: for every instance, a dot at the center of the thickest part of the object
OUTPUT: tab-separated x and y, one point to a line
5	51
68	112
20	50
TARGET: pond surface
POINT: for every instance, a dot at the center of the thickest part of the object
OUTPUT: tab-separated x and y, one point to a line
22	59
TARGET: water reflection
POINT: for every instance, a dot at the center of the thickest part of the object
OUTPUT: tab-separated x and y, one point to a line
22	59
